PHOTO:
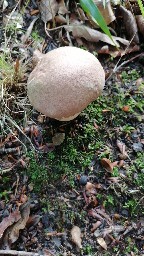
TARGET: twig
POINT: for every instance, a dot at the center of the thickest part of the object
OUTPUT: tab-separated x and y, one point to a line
116	68
12	122
19	253
55	233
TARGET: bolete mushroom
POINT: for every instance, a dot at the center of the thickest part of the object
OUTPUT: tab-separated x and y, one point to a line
64	82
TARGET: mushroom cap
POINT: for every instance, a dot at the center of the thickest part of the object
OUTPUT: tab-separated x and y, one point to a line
64	82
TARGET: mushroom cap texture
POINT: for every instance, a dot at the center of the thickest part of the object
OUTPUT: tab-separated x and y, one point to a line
64	82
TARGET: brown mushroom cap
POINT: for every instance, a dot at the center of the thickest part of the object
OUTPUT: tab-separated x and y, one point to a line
64	82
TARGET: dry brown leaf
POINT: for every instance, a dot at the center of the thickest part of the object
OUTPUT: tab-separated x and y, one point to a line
92	35
76	236
8	221
58	139
14	234
48	9
106	11
60	19
89	34
106	216
122	148
140	23
102	243
95	225
89	186
33	221
130	24
82	14
62	7
107	164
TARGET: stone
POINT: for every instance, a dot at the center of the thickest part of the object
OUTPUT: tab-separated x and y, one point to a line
64	82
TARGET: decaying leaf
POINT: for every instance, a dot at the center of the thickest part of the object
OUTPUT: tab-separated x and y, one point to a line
90	188
48	9
95	225
12	232
122	149
58	139
102	243
92	35
62	7
8	221
130	24
25	212
107	164
140	23
76	236
106	11
89	34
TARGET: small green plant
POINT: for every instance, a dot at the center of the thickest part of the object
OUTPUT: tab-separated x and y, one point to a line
140	3
109	201
115	172
131	205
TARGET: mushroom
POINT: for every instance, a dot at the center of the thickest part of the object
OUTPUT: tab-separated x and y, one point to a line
64	82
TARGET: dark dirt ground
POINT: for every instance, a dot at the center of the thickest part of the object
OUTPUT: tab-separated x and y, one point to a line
47	190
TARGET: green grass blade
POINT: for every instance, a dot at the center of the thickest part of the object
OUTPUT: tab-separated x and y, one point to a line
141	7
90	8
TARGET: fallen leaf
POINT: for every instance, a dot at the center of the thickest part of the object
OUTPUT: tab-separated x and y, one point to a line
8	221
92	202
106	11
58	139
130	24
76	236
48	9
102	243
62	7
140	23
25	211
122	148
11	234
95	225
89	187
107	164
93	35
33	221
60	19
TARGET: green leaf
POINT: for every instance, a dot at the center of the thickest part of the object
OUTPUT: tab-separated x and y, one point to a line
90	8
140	3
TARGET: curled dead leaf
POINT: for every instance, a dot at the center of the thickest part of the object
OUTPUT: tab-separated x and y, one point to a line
48	9
92	35
8	221
140	23
76	236
108	165
95	225
106	11
102	243
130	24
122	149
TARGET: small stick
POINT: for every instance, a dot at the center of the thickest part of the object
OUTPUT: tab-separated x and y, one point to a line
18	253
55	233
